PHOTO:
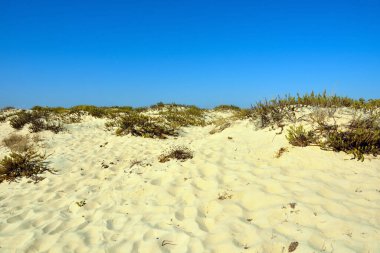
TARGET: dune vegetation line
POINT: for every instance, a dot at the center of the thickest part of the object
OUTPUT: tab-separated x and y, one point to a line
310	119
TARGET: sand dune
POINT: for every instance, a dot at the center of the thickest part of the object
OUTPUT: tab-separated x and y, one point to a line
233	196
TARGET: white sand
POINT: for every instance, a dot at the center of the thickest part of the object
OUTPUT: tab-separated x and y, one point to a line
175	206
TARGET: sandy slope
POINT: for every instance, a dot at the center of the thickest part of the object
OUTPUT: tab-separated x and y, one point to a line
233	196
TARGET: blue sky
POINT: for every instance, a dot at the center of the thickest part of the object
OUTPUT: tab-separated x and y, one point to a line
64	53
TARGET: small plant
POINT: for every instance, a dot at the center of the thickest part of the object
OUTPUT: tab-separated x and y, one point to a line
81	203
135	162
180	153
298	136
292	246
280	152
26	164
224	196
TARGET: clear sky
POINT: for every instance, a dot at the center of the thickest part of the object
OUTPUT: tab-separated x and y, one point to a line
106	52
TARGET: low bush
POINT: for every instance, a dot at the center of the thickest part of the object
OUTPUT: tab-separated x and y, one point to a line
298	136
360	137
138	124
180	153
39	120
28	164
21	119
357	142
97	112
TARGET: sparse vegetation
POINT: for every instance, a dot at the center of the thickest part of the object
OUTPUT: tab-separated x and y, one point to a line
220	125
39	120
180	153
178	117
227	108
359	137
278	111
164	120
224	196
28	164
273	113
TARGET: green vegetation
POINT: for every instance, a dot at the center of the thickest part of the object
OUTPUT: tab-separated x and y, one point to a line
278	111
23	164
180	153
162	120
138	124
359	137
39	120
298	136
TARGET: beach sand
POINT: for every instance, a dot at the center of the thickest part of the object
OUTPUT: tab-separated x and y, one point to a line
111	194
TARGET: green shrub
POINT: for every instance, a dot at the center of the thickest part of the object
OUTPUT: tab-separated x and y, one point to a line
180	153
21	119
39	120
357	142
26	164
298	136
41	125
360	137
138	124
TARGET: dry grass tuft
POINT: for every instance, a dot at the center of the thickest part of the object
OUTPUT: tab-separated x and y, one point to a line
17	143
280	152
180	153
